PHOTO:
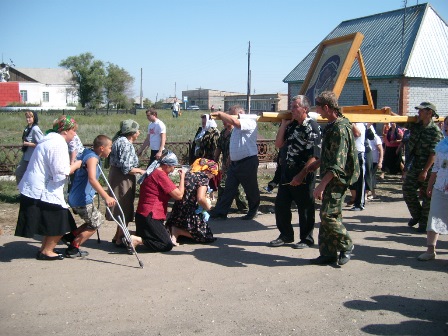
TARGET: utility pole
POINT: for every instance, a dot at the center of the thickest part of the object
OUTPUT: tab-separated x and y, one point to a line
248	80
175	90
141	88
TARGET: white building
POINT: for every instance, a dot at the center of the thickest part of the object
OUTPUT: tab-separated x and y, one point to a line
49	88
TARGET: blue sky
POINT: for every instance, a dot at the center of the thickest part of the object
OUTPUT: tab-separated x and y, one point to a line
182	44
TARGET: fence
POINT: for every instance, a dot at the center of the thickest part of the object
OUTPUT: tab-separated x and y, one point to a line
11	155
70	112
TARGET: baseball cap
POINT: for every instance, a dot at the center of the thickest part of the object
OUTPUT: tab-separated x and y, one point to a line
428	105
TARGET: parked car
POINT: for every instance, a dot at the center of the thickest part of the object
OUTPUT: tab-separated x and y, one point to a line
193	107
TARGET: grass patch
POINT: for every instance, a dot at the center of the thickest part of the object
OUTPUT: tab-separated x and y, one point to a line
179	129
9	192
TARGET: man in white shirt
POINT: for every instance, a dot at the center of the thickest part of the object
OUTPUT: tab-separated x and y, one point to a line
156	137
176	108
243	167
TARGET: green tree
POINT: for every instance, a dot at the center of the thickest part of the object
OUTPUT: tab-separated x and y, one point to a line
88	75
118	86
158	104
147	103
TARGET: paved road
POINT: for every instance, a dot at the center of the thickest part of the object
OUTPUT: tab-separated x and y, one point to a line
235	286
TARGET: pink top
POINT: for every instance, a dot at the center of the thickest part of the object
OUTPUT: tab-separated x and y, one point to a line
392	137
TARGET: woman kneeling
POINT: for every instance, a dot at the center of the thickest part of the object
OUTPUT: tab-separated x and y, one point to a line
155	192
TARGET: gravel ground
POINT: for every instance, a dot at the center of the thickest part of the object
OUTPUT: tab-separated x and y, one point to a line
235	286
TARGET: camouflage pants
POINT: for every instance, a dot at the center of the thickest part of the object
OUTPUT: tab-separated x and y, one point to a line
240	197
333	236
91	216
411	187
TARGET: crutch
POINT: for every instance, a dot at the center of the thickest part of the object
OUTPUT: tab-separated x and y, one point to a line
120	221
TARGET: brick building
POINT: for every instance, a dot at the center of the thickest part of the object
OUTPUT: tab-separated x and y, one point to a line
406	58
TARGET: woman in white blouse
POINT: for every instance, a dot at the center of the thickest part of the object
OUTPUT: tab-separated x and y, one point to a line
43	209
438	191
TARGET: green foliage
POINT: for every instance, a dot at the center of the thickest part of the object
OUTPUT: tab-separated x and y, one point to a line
21	104
9	192
147	103
118	86
89	75
179	129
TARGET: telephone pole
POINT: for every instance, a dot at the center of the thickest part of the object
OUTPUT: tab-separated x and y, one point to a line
248	80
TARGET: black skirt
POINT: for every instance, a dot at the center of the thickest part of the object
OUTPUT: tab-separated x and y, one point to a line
46	219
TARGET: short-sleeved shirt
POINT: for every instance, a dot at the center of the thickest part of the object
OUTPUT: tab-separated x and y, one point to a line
81	191
154	195
302	142
422	143
374	145
155	129
243	141
76	145
339	154
123	155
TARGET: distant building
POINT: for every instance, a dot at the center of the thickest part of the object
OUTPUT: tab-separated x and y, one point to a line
272	102
406	58
206	98
49	88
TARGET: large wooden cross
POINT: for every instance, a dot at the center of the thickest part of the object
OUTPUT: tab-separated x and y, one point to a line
350	45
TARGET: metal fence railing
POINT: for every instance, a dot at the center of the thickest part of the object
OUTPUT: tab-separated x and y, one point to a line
11	155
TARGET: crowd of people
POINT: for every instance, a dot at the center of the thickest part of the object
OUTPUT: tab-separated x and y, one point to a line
347	155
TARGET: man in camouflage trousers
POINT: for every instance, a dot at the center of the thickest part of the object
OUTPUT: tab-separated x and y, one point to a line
339	168
425	135
222	148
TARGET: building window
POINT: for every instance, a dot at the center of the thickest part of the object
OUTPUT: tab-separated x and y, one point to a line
24	95
46	96
374	94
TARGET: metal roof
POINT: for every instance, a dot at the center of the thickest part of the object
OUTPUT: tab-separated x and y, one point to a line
48	76
410	41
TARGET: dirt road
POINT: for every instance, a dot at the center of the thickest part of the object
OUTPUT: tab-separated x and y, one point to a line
235	286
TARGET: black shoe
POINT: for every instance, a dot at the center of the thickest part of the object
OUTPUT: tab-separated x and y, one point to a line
214	215
302	245
324	260
41	256
412	222
345	256
421	229
280	241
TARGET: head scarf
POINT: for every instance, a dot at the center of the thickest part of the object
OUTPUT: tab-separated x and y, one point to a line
168	158
205	164
61	125
210	123
126	126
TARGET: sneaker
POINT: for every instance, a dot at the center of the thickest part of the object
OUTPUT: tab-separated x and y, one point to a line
280	242
345	256
74	252
426	256
357	208
301	245
324	260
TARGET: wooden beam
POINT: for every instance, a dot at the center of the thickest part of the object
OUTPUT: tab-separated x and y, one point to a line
369	116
